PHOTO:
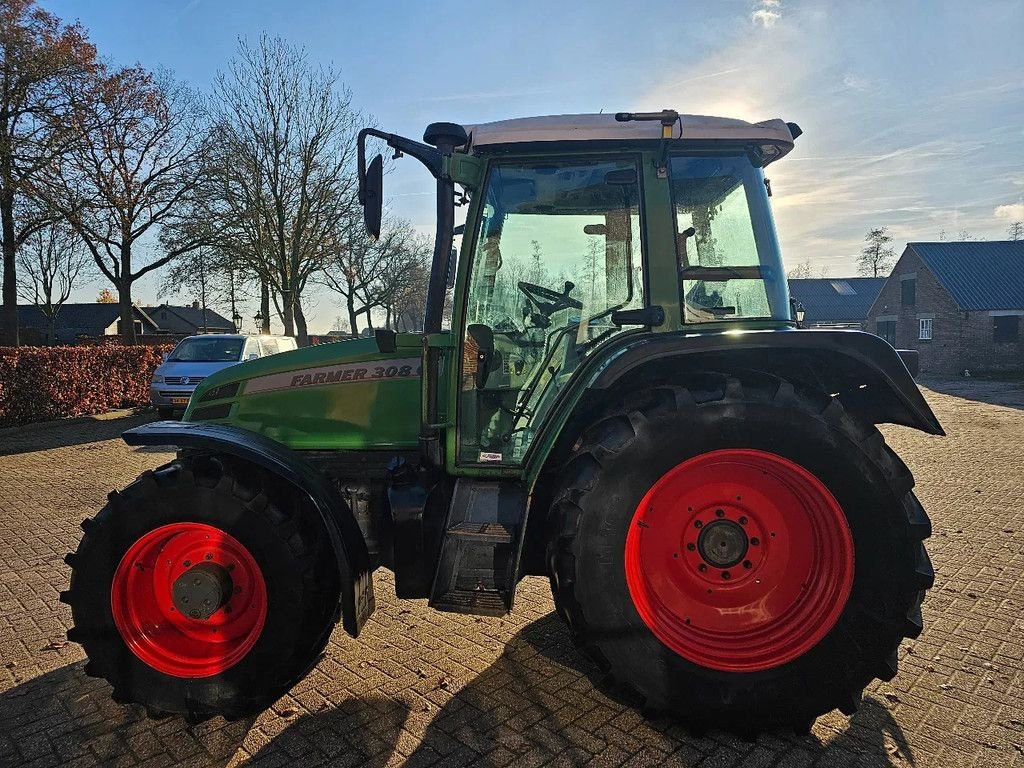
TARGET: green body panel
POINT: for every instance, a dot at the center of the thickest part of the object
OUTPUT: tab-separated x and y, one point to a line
347	395
383	412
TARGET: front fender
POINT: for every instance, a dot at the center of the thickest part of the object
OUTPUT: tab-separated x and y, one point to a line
357	600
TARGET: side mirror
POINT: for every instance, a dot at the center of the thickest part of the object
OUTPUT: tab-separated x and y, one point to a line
166	356
253	356
373	196
449	278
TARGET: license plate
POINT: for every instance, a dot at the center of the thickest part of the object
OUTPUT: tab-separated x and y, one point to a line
179	401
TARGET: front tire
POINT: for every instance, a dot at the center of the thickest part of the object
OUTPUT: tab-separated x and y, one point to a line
200	593
739	629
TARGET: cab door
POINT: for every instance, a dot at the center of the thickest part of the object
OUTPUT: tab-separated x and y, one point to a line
556	251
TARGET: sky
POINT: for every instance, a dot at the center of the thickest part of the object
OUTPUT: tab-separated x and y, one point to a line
913	112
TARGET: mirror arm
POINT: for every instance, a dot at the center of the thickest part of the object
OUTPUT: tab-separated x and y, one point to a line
429	156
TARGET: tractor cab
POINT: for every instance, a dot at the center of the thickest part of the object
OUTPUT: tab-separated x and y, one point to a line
583	229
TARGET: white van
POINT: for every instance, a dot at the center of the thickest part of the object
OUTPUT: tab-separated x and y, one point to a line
196	357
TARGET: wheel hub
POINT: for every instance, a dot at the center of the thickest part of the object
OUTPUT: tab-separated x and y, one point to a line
739	560
202	590
189	600
722	543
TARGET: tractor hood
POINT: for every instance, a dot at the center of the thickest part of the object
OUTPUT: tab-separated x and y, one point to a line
345	395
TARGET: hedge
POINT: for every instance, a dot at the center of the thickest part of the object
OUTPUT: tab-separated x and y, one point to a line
44	383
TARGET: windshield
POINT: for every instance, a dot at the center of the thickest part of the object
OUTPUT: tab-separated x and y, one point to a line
726	248
207	350
557	251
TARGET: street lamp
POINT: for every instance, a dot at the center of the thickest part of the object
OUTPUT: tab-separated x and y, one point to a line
259	321
237	320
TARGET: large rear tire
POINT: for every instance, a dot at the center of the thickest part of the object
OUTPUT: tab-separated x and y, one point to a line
738	554
204	588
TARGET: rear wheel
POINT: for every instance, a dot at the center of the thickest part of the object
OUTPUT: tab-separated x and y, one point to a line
197	593
737	553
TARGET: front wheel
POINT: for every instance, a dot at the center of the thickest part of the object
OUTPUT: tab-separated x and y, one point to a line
738	554
200	593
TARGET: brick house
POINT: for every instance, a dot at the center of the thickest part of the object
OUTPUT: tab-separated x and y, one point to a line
841	302
959	304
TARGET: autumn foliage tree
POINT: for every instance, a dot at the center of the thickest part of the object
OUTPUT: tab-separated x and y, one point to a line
44	65
132	175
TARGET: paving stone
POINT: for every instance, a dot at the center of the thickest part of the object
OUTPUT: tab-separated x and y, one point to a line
516	692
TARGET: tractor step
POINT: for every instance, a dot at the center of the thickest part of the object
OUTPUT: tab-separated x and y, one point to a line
478	568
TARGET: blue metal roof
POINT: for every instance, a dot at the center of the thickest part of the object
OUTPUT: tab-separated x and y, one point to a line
978	275
836	300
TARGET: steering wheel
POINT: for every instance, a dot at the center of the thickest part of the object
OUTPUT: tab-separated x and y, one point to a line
549	301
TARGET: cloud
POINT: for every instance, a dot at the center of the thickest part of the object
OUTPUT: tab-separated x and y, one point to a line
856	82
1013	212
766	13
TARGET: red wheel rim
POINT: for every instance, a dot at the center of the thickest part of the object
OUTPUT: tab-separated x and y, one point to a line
739	560
154	582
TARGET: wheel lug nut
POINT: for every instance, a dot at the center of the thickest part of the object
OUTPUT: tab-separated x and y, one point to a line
698	524
755	541
702	567
691	546
209	556
194	614
719	513
743	521
747	564
726	575
188	563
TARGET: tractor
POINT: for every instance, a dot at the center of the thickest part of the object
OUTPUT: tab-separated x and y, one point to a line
623	403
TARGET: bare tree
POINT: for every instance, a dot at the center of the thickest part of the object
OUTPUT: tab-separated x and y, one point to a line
283	162
402	287
878	256
371	274
1015	231
50	261
132	175
43	64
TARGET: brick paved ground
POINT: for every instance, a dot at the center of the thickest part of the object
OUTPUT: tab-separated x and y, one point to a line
427	687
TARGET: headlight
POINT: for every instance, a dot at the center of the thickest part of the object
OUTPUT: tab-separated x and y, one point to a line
158	379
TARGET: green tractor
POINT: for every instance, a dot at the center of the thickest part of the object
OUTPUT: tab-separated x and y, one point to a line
623	403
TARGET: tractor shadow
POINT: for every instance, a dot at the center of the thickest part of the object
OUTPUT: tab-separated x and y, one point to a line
541	700
66	718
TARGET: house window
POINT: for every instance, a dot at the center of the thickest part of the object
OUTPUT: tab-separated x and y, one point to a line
925	325
908	293
887	330
1006	328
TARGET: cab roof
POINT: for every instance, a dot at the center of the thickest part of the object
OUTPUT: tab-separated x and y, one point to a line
773	135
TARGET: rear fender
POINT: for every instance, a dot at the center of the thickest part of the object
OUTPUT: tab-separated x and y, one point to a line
357	600
862	370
